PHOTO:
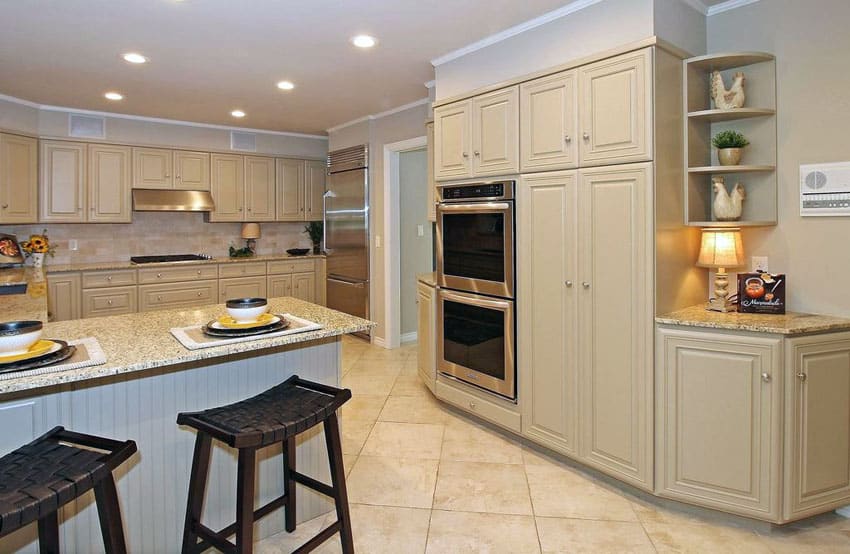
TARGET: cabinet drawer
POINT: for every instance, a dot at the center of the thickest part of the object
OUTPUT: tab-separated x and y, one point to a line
242	287
109	301
242	270
291	266
177	295
100	279
475	404
174	274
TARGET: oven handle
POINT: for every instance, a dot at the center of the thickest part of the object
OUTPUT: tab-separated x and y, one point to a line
474	207
475	300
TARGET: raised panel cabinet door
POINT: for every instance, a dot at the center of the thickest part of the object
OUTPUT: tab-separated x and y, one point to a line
259	188
63	296
290	189
547	304
495	132
817	406
615	106
110	301
314	190
279	285
62	182
452	141
304	286
616	307
426	355
191	170
152	168
242	287
548	113
109	175
18	179
432	185
719	420
227	185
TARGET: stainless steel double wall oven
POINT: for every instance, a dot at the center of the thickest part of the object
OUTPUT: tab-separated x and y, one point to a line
475	275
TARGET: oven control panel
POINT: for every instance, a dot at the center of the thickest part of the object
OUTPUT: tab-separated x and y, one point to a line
497	190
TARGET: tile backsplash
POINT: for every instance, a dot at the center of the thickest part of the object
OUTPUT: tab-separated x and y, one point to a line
158	233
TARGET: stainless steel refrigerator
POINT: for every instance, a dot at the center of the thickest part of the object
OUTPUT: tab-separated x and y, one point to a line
347	230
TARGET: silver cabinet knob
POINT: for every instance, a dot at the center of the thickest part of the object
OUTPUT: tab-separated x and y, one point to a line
477	153
249	209
178	176
585	284
585	136
5	206
765	377
472	405
200	294
568	283
167	175
466	154
801	376
159	298
199	272
159	275
568	139
109	277
109	302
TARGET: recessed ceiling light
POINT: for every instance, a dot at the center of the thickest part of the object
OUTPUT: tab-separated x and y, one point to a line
363	41
285	85
114	96
133	57
237	113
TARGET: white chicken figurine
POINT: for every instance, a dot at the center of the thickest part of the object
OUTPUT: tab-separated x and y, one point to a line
727	99
728	207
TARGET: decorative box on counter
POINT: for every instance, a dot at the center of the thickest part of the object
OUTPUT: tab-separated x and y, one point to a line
761	293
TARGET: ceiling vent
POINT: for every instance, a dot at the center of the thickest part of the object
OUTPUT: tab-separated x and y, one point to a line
244	142
86	126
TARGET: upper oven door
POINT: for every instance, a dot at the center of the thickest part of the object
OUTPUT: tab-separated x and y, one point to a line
475	247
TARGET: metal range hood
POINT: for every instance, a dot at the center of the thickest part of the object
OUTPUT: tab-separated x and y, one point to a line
159	200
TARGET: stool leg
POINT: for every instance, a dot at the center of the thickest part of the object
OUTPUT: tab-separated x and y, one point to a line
289	484
197	487
338	481
109	512
48	534
245	500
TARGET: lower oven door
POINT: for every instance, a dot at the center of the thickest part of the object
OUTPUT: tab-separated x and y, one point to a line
475	340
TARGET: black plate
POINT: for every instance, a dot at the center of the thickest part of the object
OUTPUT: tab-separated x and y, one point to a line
233	333
265	327
297	251
41	361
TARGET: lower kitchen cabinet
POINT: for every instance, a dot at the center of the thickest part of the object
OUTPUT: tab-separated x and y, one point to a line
177	295
63	296
304	286
109	301
241	287
426	356
279	285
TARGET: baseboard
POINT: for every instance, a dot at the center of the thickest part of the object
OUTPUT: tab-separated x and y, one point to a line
379	341
844	511
408	337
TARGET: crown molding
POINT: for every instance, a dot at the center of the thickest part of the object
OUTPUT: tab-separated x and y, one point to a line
697	5
63	109
548	17
379	115
729	5
431	83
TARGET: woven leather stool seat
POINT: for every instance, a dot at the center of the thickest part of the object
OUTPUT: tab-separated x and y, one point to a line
272	416
42	476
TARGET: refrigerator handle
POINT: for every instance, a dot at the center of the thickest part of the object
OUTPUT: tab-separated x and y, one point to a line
328	194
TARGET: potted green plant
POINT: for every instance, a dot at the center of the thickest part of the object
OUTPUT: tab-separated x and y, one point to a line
315	230
729	144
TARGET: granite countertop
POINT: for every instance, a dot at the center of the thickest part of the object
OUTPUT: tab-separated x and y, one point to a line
140	341
429	278
30	305
791	323
126	264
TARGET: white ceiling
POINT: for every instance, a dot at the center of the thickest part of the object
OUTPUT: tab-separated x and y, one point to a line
208	57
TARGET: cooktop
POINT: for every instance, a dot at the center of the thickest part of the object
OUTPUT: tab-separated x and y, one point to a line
169	258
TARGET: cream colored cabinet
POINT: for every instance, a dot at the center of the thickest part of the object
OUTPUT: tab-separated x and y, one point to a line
191	170
616	293
432	186
18	179
153	168
62	182
426	335
244	269
290	189
110	278
109	301
109	173
495	133
315	174
548	118
63	296
259	189
615	109
177	295
241	287
276	267
817	420
279	285
174	274
227	183
547	304
719	420
453	141
304	286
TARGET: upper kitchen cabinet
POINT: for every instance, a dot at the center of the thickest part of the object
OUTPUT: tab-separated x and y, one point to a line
227	182
548	114
162	168
62	182
452	130
18	179
290	189
191	170
615	110
109	174
259	189
315	175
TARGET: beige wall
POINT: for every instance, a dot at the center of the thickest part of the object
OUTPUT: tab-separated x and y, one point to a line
17	117
679	23
811	45
416	251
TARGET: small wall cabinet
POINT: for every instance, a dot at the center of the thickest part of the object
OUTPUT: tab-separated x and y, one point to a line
228	187
300	189
109	184
18	179
162	168
548	121
259	189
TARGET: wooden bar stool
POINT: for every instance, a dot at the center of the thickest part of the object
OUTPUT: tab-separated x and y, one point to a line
275	416
54	469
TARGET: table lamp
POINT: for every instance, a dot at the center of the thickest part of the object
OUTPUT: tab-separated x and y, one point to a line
721	249
251	232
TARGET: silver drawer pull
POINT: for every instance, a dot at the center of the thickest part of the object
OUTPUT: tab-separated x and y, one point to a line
109	277
568	283
159	298
159	275
568	139
472	405
200	293
801	376
199	272
585	136
765	377
585	284
109	302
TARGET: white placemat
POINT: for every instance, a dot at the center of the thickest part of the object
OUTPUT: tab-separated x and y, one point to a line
88	353
193	338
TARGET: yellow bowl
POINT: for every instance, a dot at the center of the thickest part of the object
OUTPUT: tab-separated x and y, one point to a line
231	323
37	349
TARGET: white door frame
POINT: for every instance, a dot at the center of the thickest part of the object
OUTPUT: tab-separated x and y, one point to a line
392	230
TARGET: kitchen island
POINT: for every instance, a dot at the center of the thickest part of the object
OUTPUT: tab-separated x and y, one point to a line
148	378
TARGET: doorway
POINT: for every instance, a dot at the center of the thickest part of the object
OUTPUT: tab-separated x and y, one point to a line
415	234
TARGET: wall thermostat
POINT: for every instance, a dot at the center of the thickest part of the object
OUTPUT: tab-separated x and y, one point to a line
825	189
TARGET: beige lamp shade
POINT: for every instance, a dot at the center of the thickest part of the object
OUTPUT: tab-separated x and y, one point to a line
721	248
250	230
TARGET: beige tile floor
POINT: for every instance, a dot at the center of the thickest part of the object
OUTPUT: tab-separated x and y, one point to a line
422	478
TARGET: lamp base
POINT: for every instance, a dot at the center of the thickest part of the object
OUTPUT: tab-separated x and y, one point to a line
720	302
723	306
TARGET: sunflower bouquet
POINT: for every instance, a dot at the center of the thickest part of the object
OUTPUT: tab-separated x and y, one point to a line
38	244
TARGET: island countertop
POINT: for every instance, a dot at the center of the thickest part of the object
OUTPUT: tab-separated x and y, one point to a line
791	323
140	341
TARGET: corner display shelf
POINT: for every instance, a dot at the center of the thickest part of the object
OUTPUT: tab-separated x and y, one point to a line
756	120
